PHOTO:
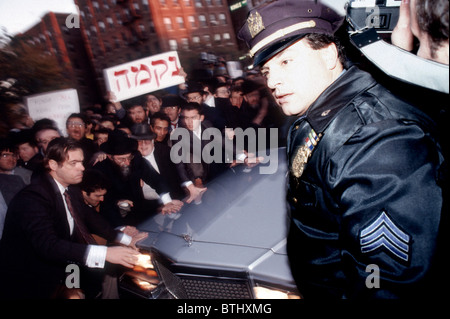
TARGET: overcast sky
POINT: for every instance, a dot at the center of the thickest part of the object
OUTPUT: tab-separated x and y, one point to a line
19	15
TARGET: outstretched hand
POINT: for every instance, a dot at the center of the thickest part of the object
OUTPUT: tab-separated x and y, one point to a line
121	255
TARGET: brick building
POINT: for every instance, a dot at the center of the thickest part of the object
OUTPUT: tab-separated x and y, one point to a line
52	34
119	31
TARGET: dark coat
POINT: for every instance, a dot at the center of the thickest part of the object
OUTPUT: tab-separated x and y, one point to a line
36	245
369	194
202	165
130	188
168	170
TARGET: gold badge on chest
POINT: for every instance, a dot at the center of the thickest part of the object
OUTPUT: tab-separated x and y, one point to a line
304	153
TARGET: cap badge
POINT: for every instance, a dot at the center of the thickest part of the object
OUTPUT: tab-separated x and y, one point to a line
255	23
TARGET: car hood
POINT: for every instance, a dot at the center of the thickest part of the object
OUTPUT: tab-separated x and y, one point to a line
241	224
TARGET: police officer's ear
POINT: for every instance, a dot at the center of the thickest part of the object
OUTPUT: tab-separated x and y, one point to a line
330	56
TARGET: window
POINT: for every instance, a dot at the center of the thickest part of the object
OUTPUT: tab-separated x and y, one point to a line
226	36
119	18
142	29
212	19
187	3
196	40
207	40
180	22
222	19
110	21
102	26
185	43
198	3
217	37
202	20
168	23
96	6
137	10
173	45
191	20
151	25
116	42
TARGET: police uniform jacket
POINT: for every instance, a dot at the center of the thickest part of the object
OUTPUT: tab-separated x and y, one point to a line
369	200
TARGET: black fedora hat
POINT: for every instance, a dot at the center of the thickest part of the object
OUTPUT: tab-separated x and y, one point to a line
195	87
142	131
119	144
172	100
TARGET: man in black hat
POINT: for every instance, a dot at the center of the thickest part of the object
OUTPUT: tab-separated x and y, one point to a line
126	167
171	106
157	155
364	166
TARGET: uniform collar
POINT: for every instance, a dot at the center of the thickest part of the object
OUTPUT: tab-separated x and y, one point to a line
340	93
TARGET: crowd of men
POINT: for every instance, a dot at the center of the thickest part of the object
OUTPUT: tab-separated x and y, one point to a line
125	173
367	169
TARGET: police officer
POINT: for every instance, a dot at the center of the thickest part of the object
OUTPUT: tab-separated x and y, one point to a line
363	189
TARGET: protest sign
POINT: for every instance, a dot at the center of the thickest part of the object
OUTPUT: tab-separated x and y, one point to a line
144	75
55	105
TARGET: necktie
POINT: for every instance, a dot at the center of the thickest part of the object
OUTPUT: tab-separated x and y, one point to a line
79	225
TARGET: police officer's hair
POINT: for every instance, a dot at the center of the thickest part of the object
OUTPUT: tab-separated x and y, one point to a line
319	41
433	18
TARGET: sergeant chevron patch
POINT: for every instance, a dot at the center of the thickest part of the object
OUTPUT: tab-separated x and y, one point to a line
383	233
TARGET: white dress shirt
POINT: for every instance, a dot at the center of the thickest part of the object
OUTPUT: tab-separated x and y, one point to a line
96	254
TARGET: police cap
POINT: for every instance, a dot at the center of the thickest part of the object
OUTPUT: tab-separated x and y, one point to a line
272	27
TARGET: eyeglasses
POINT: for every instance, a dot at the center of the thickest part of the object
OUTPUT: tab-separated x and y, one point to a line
75	124
194	98
7	155
122	160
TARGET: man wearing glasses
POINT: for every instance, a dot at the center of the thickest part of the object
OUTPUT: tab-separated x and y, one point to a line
76	130
12	178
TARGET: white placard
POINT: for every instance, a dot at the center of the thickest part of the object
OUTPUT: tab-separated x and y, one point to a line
234	69
55	105
144	75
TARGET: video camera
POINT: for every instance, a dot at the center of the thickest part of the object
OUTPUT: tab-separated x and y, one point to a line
379	14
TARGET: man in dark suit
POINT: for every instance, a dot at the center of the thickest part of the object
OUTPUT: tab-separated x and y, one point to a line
126	168
213	114
47	229
158	156
198	156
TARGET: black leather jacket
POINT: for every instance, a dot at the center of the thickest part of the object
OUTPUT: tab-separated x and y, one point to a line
369	194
